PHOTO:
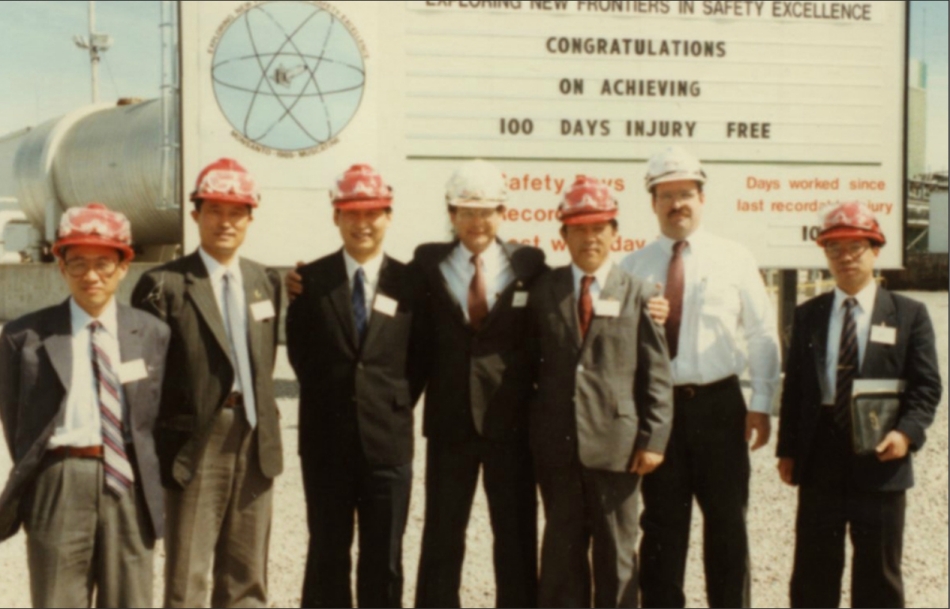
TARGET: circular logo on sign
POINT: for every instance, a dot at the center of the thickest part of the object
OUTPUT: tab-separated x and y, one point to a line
288	76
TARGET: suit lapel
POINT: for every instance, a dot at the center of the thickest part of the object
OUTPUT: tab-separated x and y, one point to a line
884	314
130	349
59	344
819	334
341	299
616	282
202	294
438	279
563	294
384	287
256	289
501	303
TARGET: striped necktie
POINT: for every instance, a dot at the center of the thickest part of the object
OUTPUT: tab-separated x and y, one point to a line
847	367
585	305
118	470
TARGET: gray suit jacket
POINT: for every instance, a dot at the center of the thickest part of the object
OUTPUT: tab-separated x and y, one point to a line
200	373
602	399
35	373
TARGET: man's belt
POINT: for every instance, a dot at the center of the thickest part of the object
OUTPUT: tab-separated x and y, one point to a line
691	392
77	452
234	400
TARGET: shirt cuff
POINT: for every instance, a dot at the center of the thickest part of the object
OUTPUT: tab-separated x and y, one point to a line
762	404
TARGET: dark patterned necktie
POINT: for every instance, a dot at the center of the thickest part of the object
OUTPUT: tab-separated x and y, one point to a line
675	287
119	475
585	306
359	303
477	295
847	366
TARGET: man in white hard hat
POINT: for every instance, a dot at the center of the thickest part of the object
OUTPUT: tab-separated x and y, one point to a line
475	296
218	431
717	297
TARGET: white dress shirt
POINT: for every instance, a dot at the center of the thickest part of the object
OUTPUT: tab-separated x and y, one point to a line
79	424
862	318
371	270
600	280
216	272
458	271
724	300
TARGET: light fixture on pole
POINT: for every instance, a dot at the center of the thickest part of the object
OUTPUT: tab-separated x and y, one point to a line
95	44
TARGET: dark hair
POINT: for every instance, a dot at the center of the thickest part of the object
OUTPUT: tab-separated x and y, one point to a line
454	208
613	223
65	250
199	202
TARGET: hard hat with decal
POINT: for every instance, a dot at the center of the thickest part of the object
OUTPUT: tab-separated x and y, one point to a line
588	201
478	184
360	187
94	225
672	165
851	220
226	181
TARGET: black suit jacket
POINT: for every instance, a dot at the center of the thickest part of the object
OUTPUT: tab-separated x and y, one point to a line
348	389
478	383
35	375
913	359
200	374
601	399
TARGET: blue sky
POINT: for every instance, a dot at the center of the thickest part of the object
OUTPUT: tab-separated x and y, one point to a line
44	75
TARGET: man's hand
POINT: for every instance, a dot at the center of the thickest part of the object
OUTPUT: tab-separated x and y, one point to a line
894	447
658	306
761	425
645	462
786	467
294	283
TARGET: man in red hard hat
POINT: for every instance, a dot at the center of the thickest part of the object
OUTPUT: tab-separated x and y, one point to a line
349	341
218	431
858	333
602	410
79	393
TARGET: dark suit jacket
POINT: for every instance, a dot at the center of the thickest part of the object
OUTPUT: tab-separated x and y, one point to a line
913	359
35	373
200	374
350	390
605	398
478	383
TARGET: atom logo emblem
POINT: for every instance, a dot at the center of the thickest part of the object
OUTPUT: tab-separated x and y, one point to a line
288	76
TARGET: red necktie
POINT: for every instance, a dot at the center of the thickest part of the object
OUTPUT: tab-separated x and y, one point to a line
585	306
675	286
477	296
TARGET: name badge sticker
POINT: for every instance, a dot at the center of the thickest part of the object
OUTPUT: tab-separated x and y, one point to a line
607	308
385	305
520	300
263	310
883	335
130	372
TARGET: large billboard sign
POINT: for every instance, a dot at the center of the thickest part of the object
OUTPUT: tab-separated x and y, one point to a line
792	106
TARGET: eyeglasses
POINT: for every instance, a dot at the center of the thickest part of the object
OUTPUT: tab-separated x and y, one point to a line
103	267
852	250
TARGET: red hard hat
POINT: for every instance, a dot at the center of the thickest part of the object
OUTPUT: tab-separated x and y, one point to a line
851	221
360	187
226	181
95	225
587	202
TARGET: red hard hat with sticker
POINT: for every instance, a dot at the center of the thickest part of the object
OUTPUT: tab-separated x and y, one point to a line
94	225
361	187
226	181
588	201
851	221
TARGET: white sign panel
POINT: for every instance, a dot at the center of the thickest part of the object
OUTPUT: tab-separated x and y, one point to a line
791	105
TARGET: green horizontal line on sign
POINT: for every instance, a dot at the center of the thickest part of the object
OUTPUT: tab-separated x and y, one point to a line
583	160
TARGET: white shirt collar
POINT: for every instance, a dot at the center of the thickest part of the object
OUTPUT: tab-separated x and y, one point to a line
865	297
491	257
600	275
371	267
216	270
109	318
695	240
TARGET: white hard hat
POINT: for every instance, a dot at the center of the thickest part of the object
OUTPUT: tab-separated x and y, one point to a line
476	183
672	165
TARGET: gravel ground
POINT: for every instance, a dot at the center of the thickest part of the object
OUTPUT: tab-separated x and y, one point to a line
771	518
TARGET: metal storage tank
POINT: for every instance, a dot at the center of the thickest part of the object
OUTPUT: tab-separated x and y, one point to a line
109	154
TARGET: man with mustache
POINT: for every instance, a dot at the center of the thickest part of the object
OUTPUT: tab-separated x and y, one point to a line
859	331
601	415
716	297
218	431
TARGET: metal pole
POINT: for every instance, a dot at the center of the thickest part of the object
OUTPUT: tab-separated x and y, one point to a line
93	52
